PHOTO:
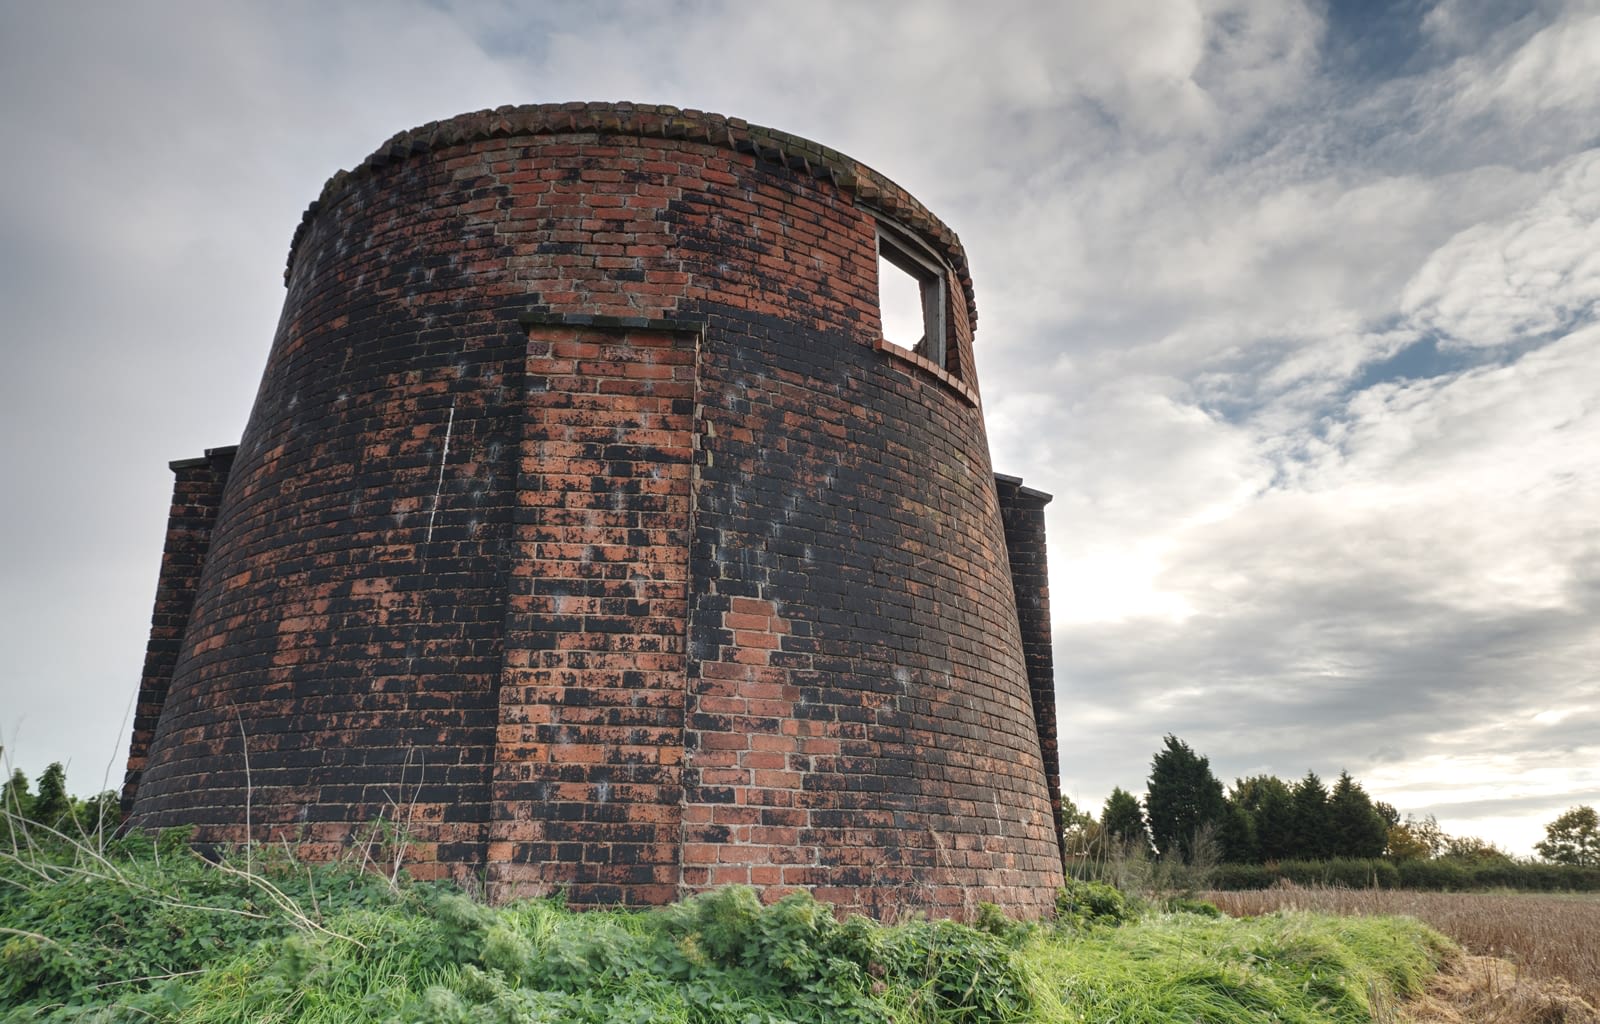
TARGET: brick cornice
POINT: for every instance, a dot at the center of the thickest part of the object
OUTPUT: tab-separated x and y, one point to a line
768	145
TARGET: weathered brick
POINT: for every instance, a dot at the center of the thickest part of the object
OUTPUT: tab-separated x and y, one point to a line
586	526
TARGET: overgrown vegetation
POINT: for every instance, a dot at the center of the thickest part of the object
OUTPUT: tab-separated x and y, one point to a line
47	804
135	929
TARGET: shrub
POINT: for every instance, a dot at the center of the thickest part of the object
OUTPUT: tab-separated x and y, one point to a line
1441	874
1234	877
1188	905
78	921
1355	873
333	944
1081	903
1444	875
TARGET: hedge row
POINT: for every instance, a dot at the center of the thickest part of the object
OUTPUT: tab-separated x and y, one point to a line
1445	874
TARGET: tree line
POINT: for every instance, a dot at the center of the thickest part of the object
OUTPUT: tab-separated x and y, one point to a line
1187	815
49	804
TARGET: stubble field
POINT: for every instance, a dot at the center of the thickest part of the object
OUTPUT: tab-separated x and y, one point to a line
1552	940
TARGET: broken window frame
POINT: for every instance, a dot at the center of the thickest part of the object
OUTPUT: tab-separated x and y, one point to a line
922	265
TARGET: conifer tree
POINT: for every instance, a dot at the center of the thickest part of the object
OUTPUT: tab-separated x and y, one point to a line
1355	827
14	796
1236	835
1311	825
1269	802
1182	798
51	802
1122	819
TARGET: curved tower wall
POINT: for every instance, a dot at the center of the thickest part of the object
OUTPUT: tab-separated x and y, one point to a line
585	528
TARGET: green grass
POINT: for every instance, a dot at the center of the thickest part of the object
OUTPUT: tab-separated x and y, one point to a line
1282	967
120	938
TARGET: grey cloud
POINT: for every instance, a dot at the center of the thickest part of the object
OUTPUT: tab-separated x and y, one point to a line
159	166
1336	620
1318	686
1547	807
1550	73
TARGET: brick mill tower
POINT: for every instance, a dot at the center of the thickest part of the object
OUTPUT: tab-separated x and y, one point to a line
587	528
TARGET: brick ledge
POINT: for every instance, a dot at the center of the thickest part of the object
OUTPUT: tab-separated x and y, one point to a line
933	369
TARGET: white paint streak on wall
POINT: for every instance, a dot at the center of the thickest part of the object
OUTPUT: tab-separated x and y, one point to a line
444	454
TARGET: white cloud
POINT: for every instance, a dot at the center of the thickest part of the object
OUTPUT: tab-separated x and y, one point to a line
1260	53
1528	274
1554	70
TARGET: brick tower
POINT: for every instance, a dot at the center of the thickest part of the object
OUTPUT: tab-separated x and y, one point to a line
586	528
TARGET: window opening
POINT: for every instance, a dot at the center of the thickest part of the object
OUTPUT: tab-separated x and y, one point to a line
900	303
911	297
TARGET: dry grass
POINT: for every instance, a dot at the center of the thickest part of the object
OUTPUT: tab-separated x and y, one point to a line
1486	990
1553	941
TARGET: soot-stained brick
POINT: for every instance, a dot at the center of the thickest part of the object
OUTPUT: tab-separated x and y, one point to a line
586	530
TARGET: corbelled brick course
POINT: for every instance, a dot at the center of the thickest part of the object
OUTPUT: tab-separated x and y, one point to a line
586	528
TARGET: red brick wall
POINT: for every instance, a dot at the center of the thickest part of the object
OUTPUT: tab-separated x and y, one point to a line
874	739
590	746
583	526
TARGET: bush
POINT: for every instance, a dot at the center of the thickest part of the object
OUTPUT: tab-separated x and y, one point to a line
1354	873
1186	905
1080	903
79	921
1235	877
1301	872
1444	875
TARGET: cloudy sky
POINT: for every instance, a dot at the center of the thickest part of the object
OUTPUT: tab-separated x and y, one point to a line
1295	307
